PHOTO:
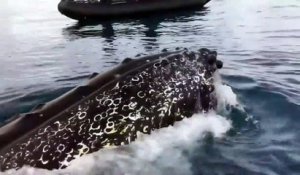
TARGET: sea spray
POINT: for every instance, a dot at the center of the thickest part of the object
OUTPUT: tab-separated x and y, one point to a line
225	95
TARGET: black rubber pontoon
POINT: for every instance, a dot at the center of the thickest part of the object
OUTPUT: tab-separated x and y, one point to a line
93	9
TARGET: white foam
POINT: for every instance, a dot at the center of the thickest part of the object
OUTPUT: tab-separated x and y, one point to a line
162	152
225	94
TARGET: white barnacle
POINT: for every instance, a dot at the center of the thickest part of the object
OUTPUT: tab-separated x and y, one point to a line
132	105
108	102
58	125
65	136
168	92
92	128
72	119
109	130
43	130
117	86
202	74
110	124
61	148
27	153
124	130
110	119
97	117
70	129
114	111
145	129
80	128
196	79
46	148
83	150
99	134
141	94
81	115
18	155
151	91
134	116
182	59
117	101
164	109
145	73
181	96
39	145
174	100
135	78
99	98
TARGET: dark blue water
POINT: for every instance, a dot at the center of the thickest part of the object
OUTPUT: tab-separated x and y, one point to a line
44	54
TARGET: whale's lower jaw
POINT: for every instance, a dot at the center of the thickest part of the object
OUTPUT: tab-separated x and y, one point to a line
153	95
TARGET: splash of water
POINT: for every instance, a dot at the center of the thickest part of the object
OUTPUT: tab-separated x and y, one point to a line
228	102
162	152
225	94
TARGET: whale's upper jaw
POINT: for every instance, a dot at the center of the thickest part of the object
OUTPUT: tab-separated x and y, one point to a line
211	65
207	65
196	69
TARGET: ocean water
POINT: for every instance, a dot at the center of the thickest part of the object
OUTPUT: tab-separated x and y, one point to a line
44	54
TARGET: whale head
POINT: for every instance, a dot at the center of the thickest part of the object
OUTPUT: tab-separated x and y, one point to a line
146	94
172	87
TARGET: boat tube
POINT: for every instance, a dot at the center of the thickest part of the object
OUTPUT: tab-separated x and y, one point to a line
95	9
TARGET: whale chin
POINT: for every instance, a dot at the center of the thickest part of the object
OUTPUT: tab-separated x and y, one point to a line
138	96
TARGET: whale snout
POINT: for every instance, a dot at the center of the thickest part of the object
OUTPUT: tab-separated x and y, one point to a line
219	64
210	59
210	64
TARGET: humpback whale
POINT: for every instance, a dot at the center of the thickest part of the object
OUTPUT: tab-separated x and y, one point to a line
139	96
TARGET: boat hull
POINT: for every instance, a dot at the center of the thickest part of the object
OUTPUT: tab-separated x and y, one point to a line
84	11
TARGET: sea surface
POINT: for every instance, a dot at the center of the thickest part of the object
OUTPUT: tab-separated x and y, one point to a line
44	54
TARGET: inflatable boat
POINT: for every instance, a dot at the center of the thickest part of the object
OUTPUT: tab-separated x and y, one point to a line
95	9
